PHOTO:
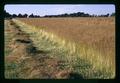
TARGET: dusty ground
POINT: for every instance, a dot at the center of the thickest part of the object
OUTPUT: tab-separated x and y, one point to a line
32	63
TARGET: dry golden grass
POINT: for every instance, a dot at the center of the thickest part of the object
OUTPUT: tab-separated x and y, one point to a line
98	32
92	39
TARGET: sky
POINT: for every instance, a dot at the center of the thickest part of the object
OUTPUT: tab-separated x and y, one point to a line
54	9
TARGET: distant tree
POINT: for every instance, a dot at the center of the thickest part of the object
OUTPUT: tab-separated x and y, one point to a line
46	16
107	15
66	15
36	16
25	15
71	15
20	15
14	15
86	15
75	14
31	16
80	14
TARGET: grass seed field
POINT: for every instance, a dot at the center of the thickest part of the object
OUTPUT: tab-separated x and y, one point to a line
84	45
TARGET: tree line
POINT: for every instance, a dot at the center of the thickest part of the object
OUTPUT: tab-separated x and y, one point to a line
78	14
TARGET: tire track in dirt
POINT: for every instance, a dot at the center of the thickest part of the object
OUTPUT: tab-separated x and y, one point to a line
33	63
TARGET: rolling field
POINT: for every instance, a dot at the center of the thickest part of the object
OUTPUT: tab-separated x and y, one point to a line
90	31
85	46
98	33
